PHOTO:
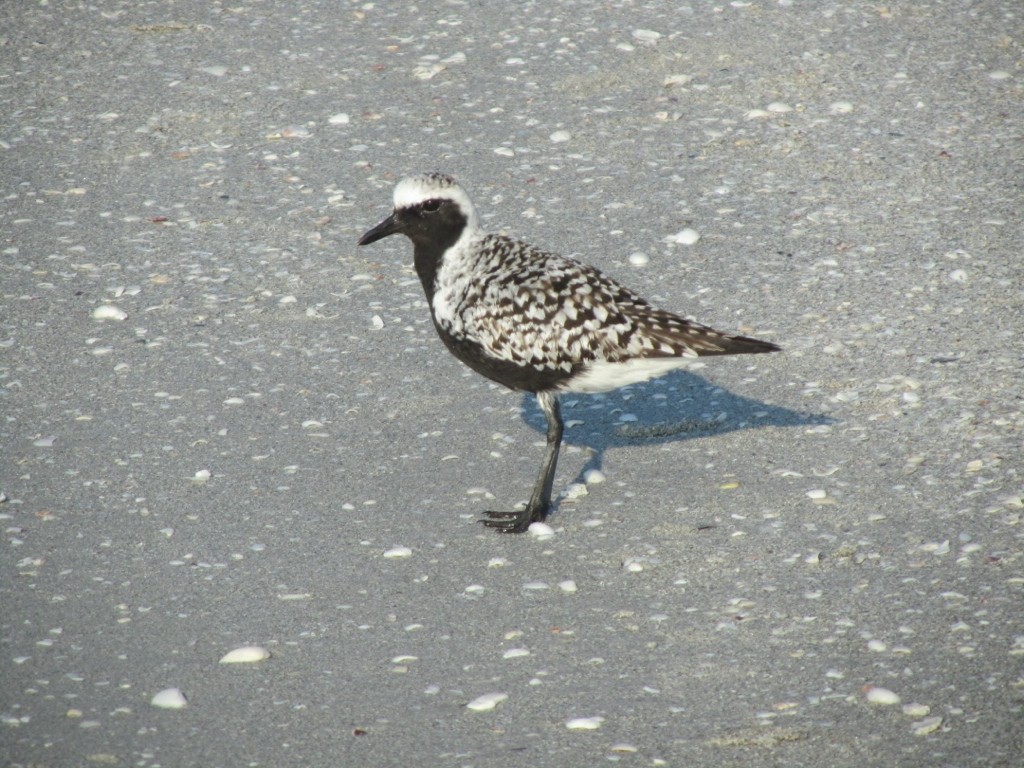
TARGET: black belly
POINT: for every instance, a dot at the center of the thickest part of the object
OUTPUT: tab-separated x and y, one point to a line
512	375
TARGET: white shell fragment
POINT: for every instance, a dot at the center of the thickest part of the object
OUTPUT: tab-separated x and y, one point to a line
397	552
575	491
646	36
677	80
639	259
109	312
560	136
584	723
486	702
593	477
686	236
515	653
541	530
623	748
247	654
916	710
884	696
568	586
926	726
169	698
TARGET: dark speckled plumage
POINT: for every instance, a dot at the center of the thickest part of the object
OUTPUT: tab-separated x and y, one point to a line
533	320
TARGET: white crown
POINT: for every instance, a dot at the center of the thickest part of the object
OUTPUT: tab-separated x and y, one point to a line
414	190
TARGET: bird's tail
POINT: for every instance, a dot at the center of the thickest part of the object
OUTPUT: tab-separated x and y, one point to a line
739	345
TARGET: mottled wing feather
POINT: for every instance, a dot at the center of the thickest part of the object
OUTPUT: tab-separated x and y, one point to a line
539	309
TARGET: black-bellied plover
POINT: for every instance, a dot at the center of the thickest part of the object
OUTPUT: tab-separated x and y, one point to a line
536	321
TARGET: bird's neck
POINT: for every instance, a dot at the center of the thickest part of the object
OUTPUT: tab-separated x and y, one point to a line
428	255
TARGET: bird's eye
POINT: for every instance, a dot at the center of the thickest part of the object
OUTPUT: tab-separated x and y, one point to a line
431	205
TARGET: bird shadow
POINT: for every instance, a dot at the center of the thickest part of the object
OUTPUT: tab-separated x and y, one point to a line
678	406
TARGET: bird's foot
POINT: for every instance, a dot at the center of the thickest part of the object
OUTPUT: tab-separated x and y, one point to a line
512	522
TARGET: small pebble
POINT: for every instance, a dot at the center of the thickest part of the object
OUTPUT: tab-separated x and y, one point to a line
584	723
817	493
593	476
638	259
169	698
568	586
505	152
515	653
884	696
623	748
109	312
201	476
779	107
339	119
486	702
560	136
247	654
398	552
840	108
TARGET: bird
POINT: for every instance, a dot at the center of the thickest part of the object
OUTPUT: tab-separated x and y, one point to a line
533	320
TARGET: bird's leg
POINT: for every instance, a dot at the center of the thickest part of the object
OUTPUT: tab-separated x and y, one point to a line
540	501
